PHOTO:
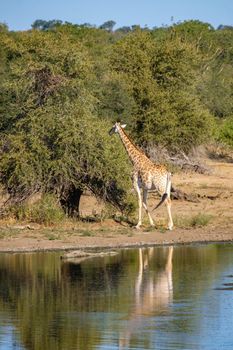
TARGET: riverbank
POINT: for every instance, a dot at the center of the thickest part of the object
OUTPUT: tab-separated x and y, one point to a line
35	243
209	219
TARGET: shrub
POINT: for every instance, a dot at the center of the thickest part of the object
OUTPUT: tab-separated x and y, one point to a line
197	220
225	132
46	211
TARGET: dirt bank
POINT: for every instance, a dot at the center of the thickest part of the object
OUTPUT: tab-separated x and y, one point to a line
208	220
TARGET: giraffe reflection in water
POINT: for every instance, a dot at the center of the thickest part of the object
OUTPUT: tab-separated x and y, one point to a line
153	293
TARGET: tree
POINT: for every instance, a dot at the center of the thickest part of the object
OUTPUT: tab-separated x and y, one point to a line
124	29
3	27
215	89
162	77
223	27
41	24
63	84
108	25
51	138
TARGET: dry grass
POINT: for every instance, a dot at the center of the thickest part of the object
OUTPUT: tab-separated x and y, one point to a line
197	220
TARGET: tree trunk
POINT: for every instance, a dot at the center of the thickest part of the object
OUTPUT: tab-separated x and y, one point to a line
70	200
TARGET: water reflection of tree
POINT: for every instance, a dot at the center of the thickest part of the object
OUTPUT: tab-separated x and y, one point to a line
52	299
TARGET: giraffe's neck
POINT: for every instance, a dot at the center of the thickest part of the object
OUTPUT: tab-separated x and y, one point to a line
135	154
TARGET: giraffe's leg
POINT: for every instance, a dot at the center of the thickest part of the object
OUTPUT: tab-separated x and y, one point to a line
137	189
144	202
168	205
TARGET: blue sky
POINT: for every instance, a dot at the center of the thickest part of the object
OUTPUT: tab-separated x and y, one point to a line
20	14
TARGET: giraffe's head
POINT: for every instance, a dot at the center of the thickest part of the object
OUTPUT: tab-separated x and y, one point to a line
115	128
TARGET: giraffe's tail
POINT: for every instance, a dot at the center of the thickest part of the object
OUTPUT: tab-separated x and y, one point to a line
165	195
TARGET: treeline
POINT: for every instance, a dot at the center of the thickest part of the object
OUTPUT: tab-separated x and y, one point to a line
63	85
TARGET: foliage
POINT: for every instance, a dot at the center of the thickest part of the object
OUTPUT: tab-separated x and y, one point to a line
225	132
41	24
108	25
3	27
52	137
63	85
46	211
161	81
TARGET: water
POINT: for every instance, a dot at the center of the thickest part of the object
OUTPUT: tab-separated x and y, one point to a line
151	298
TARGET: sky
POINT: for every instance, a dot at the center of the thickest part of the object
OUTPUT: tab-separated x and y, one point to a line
20	14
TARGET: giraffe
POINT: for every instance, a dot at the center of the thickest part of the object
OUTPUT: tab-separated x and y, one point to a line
146	176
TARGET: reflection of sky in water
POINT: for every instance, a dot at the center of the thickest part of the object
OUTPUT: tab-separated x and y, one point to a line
155	298
217	316
8	337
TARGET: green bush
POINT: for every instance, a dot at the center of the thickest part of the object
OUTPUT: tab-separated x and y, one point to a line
225	132
46	211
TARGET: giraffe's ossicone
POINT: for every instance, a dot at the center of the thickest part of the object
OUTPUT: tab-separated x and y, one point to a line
146	176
